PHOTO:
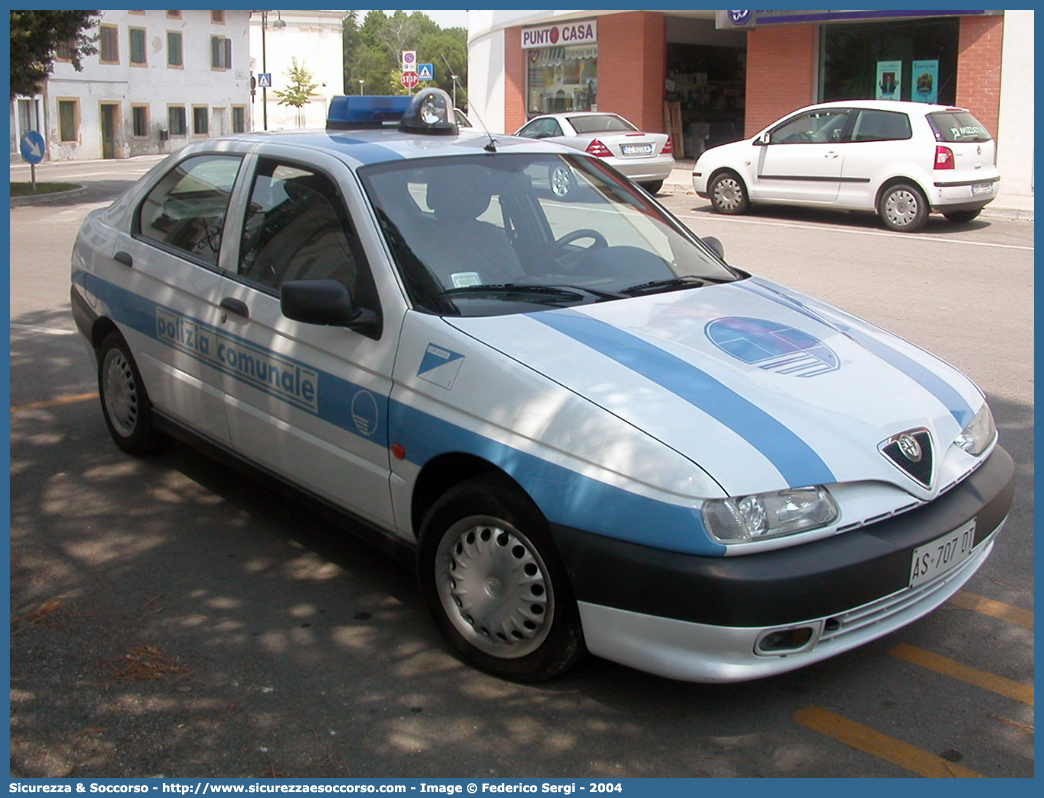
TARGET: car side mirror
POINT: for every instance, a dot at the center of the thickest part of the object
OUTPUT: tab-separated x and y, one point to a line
716	246
326	302
762	140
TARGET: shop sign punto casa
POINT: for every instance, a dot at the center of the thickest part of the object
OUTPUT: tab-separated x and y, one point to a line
560	35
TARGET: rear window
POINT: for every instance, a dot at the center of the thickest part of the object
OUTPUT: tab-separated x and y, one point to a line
957	126
603	123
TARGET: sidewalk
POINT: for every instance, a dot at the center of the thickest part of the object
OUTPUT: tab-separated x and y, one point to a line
680	182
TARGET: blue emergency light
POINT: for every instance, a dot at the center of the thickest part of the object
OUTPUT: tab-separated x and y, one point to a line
429	112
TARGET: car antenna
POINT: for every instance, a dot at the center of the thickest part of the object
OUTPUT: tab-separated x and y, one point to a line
491	146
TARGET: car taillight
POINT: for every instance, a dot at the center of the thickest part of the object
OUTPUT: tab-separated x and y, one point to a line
598	149
668	148
943	157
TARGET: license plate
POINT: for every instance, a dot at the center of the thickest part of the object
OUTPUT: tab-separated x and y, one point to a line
982	188
942	554
637	149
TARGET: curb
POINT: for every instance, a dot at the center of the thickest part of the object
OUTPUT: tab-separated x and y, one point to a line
49	197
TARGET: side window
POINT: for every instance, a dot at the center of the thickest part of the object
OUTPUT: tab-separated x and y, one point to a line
882	126
297	228
818	127
186	209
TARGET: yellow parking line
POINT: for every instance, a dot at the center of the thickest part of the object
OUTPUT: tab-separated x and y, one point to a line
996	609
872	742
65	400
948	667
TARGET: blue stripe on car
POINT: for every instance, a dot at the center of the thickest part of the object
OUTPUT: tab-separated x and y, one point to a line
927	379
795	460
564	496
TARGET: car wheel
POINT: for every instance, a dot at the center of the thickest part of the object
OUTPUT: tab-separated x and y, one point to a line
493	582
962	217
125	404
903	207
728	194
653	186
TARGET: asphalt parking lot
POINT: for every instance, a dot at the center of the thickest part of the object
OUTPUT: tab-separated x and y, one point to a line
171	618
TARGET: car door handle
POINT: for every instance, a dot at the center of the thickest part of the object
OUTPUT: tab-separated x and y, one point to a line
831	155
237	306
124	258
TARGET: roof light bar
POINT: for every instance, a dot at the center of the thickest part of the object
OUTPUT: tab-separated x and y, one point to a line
429	112
354	111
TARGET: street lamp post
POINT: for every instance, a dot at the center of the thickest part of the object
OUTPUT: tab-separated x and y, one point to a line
264	68
361	82
454	79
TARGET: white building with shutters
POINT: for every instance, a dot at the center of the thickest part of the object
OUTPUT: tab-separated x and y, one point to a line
160	80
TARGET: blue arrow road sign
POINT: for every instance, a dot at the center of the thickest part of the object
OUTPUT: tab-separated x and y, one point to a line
33	147
426	71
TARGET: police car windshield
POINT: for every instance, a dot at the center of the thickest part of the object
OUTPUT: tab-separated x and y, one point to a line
515	233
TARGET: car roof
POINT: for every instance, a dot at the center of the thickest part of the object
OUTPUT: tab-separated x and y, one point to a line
363	147
887	105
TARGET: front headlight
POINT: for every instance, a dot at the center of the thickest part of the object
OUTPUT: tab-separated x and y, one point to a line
977	436
738	519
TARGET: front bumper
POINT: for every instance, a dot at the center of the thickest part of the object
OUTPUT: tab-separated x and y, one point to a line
700	618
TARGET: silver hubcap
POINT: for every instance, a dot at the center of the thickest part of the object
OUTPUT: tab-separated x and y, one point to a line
494	587
560	181
728	194
901	208
121	393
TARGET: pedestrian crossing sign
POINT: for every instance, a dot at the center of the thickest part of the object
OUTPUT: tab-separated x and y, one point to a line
426	71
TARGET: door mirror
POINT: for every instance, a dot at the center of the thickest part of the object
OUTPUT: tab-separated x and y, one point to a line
326	302
716	246
761	141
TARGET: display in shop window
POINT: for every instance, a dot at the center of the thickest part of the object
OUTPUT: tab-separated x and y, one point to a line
889	80
926	81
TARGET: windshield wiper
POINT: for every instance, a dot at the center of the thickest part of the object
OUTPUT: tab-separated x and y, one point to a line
670	284
568	293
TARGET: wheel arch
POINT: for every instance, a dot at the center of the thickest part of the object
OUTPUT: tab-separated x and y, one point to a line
895	180
100	331
446	471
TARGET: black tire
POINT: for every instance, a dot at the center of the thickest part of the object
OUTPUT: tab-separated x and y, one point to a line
652	186
903	208
962	217
492	580
728	194
124	402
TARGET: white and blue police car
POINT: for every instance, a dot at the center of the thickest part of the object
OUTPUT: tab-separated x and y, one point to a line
590	432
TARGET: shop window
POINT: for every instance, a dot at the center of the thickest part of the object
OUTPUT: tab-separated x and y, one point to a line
908	60
562	79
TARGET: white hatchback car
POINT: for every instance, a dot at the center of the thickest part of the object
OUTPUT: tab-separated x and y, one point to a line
587	431
902	160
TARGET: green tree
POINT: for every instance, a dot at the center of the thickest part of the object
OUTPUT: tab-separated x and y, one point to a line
300	88
36	37
373	51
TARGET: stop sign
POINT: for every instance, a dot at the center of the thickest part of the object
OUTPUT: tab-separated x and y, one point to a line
410	80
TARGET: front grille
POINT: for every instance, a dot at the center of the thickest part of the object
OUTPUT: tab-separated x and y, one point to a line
919	467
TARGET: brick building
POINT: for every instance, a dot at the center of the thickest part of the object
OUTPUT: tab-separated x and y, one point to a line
727	74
